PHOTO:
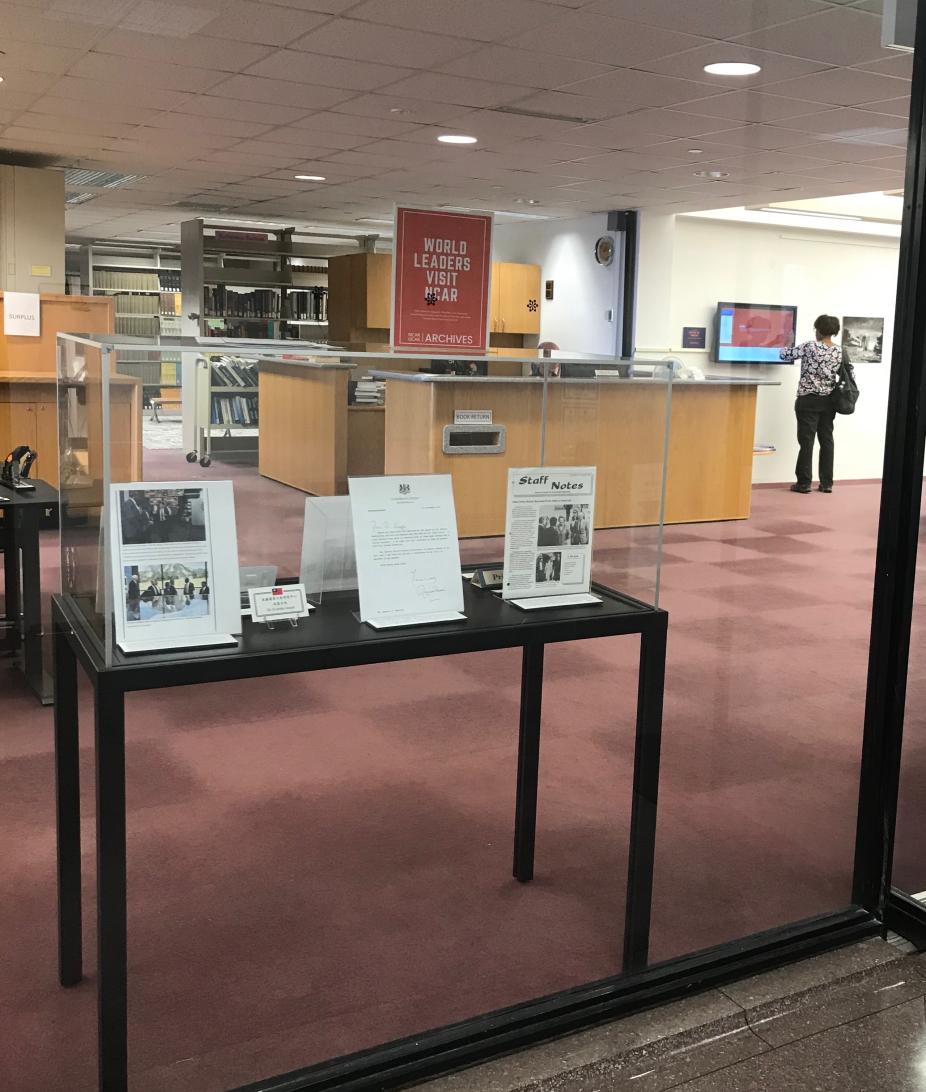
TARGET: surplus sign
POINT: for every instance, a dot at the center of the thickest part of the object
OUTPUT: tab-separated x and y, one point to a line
441	271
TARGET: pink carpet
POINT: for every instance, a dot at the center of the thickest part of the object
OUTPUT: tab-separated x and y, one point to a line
321	863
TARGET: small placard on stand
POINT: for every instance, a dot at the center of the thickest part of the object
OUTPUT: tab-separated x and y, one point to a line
281	603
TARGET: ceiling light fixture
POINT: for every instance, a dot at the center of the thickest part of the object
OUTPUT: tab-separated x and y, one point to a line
309	177
714	176
732	68
456	138
694	151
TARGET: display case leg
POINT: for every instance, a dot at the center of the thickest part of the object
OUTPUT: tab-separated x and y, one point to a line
111	893
525	821
67	806
645	790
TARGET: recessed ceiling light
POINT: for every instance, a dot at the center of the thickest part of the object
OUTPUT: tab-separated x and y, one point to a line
310	177
714	176
694	151
732	68
455	138
1	79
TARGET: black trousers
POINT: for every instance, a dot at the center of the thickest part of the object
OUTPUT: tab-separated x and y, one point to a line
814	422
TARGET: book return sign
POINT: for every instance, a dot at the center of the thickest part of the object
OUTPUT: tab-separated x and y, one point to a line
441	272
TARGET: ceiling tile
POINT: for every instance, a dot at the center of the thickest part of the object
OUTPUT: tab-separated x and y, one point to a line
838	36
295	64
862	126
358	41
899	108
109	111
25	22
750	106
17	100
310	138
347	126
397	108
708	18
196	51
522	67
196	124
839	151
214	107
438	87
266	24
287	93
495	127
93	90
45	124
104	68
898	64
482	20
638	89
841	87
19	81
599	38
37	57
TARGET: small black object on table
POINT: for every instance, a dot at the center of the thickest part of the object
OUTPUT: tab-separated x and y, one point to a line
22	514
331	638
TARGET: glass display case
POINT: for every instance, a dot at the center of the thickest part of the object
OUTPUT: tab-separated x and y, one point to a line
292	422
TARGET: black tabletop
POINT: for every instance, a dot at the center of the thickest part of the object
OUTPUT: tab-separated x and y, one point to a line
333	637
43	496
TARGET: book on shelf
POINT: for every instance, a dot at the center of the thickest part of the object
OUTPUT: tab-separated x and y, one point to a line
306	305
234	372
126	280
234	409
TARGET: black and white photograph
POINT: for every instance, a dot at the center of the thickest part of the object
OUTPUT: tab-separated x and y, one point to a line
549	567
151	516
171	591
863	339
563	525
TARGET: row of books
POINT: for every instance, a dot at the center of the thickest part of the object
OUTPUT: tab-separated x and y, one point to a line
222	302
310	304
170	279
138	325
233	372
126	280
234	409
137	305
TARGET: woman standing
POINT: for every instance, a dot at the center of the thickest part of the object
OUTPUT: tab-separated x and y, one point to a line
813	407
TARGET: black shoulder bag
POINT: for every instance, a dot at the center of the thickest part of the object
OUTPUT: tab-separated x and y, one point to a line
845	393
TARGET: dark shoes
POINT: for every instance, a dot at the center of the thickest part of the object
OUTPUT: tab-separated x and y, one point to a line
798	488
825	488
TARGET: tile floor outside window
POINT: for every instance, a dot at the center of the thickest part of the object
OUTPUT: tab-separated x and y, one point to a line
852	1020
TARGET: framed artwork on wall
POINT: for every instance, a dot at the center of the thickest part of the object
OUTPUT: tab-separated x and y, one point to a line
863	338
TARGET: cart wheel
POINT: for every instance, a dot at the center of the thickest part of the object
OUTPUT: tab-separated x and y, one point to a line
191	457
205	461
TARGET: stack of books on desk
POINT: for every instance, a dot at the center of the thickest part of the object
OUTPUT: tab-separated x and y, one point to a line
370	392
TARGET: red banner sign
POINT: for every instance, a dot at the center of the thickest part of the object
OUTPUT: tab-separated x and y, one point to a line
441	271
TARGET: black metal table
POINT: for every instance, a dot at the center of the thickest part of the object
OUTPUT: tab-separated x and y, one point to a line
331	638
22	514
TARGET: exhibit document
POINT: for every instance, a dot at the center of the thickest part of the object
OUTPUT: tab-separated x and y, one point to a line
548	536
408	555
174	564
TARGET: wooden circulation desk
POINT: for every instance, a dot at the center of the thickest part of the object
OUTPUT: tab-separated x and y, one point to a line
617	425
311	438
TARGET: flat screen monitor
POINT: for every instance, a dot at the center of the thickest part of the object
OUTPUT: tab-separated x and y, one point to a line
753	333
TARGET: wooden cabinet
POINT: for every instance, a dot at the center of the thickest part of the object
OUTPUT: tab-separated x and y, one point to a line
29	397
359	297
515	298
